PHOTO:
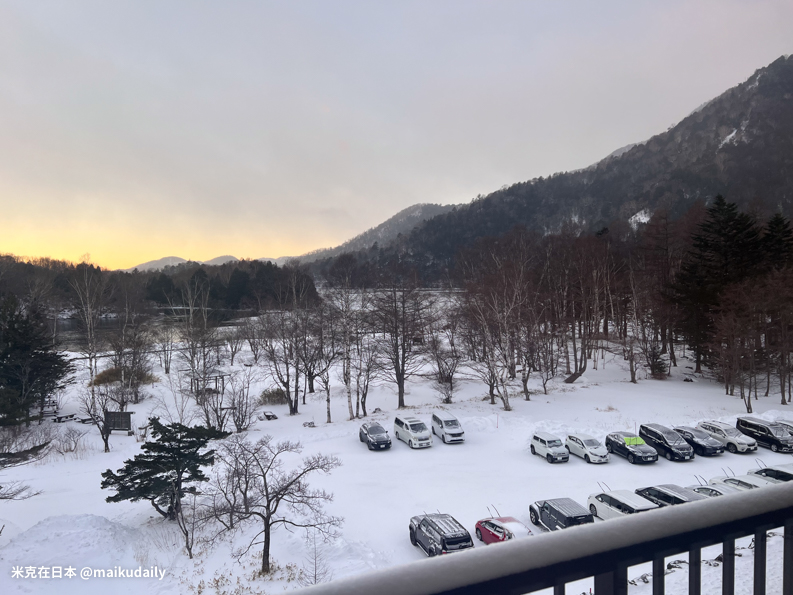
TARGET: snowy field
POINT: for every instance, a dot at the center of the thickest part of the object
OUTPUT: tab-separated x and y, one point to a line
70	524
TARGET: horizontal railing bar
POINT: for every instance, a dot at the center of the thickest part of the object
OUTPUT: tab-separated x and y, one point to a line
524	565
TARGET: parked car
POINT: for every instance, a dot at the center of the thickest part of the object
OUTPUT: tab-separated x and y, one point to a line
631	447
413	431
549	446
448	427
788	425
617	503
588	448
375	436
766	433
438	533
666	442
668	494
729	436
498	529
559	513
702	443
774	473
713	491
741	482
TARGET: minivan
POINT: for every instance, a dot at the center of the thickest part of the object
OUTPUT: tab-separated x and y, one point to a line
617	503
413	431
667	442
766	433
448	427
668	494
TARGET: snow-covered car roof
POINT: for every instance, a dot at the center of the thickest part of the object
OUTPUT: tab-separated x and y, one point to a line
445	415
631	498
513	525
581	436
567	506
679	491
546	436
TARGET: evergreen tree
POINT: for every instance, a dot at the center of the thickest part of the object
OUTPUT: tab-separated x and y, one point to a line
727	249
778	242
169	462
31	369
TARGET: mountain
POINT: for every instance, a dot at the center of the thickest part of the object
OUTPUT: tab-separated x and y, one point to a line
389	230
739	145
156	265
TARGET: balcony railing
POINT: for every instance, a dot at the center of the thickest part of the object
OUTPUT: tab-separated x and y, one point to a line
604	551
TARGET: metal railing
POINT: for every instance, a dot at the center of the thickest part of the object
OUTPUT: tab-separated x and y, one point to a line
604	551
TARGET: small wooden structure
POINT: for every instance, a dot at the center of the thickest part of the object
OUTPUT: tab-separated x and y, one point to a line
118	420
219	380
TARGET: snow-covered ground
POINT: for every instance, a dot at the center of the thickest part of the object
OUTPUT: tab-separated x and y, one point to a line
70	524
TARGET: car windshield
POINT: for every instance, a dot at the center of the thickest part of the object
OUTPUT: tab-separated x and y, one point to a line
451	423
419	427
783	476
674	438
375	430
778	431
554	443
633	440
591	443
698	434
732	433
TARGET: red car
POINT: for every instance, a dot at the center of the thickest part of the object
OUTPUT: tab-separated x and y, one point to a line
503	528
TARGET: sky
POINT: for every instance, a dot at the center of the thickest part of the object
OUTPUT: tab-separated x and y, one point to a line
134	130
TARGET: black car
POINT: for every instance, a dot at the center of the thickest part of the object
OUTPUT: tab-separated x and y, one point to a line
439	534
375	436
700	441
666	442
631	447
766	433
559	513
668	494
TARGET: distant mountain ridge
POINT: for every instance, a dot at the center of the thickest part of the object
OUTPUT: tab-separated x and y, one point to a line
161	263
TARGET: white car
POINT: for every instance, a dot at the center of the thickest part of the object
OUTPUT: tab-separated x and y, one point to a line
586	447
713	491
741	482
729	436
774	473
413	431
617	503
550	447
448	427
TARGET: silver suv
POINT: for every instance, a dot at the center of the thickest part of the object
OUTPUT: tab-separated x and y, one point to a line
729	436
549	446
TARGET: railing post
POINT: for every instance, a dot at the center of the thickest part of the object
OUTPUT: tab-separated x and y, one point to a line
728	567
787	559
759	562
658	576
558	590
695	571
612	583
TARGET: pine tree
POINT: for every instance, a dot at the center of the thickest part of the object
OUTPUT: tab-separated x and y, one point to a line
168	463
31	369
778	242
727	249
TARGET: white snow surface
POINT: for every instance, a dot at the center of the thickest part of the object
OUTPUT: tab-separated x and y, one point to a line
641	217
70	523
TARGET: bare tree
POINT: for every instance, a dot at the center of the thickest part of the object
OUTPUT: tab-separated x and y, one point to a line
241	402
14	453
315	569
400	313
90	285
235	339
263	489
281	339
442	347
95	405
165	336
252	331
178	405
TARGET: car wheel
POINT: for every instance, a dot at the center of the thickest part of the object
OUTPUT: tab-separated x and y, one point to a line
698	451
533	518
774	448
669	456
732	448
431	551
534	452
586	458
396	435
433	430
360	437
413	537
593	510
443	438
410	443
631	459
549	458
369	445
608	447
478	534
